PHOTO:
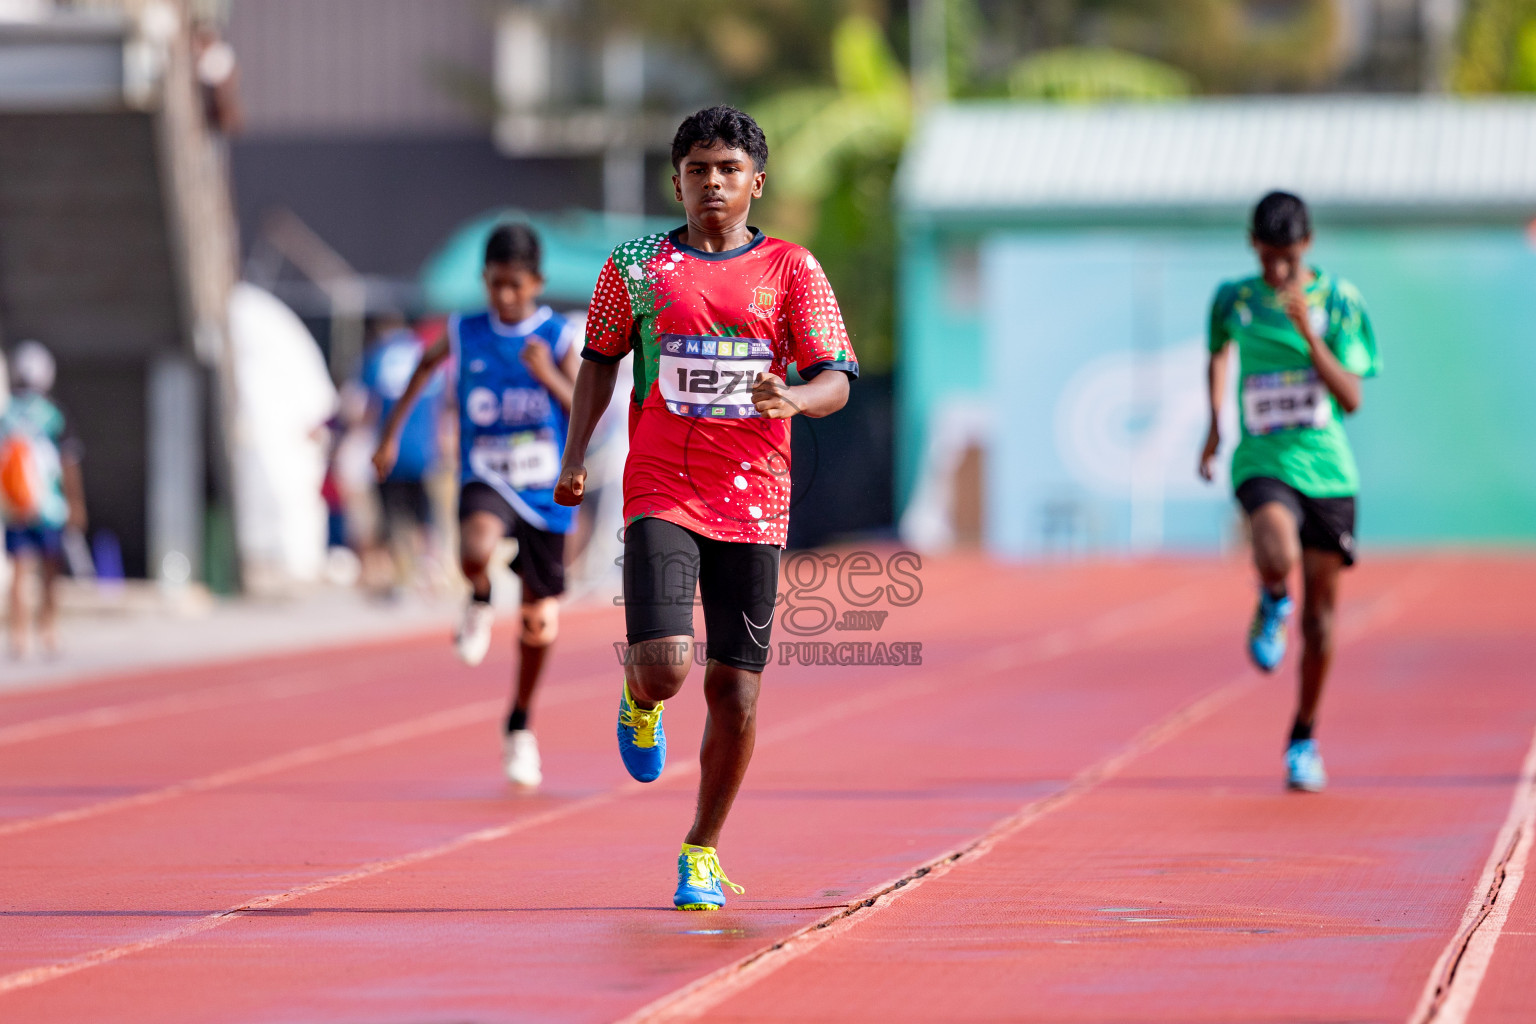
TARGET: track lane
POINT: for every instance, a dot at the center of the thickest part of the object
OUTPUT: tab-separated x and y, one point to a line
1192	889
543	924
803	691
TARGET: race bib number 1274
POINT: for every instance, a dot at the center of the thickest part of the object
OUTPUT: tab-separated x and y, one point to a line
711	376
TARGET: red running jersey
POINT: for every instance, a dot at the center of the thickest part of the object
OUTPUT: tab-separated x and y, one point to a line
702	326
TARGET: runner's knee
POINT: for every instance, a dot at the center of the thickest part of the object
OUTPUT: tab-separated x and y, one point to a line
1317	627
658	668
732	700
541	622
1274	557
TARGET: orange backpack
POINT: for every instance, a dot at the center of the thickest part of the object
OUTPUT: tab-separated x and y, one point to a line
21	485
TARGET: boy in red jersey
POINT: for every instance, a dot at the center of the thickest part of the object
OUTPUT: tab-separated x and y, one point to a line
715	312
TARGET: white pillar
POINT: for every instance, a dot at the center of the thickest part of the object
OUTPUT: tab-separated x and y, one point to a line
522	71
175	470
930	52
623	91
1441	22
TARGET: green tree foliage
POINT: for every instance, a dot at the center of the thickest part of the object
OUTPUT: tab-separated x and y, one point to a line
834	155
754	47
1080	74
1224	46
1231	46
1498	48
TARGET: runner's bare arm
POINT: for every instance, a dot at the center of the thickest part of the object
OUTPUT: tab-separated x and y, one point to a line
822	395
389	438
1216	386
1344	385
74	492
570	367
536	355
593	391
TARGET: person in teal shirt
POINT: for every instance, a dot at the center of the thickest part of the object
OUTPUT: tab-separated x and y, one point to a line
35	535
1304	344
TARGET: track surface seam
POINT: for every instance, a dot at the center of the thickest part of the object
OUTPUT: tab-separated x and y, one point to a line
1057	643
697	998
1458	973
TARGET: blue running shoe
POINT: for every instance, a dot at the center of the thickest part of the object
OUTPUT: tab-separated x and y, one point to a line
699	880
1304	767
642	741
1266	634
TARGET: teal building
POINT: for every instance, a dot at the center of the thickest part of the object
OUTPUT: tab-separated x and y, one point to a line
1058	264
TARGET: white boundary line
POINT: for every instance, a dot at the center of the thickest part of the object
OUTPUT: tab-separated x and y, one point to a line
1459	971
1051	645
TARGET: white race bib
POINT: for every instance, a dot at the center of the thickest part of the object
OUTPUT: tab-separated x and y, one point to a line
528	461
711	377
1289	400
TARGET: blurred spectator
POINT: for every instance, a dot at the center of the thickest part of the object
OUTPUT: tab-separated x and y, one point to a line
218	79
42	489
405	524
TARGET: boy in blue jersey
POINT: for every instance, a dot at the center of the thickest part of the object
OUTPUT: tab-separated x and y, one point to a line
515	368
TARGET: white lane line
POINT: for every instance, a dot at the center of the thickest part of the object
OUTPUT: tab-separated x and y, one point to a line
1459	971
438	721
172	704
1055	644
697	999
1051	645
95	958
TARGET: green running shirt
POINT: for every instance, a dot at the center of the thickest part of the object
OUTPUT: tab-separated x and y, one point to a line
1293	428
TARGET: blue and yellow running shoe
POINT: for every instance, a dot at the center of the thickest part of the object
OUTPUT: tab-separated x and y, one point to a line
642	741
1304	767
1266	634
699	880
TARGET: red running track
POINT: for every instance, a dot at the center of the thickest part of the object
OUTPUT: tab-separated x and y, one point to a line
1071	811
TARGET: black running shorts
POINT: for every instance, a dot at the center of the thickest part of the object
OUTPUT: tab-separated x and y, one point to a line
540	558
1327	524
404	506
737	584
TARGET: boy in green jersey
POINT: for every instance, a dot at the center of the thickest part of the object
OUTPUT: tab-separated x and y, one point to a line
1304	344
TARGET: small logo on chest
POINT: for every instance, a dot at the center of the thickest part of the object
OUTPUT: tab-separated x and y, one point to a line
763	300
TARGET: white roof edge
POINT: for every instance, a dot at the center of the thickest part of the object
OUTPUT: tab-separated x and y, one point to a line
1379	153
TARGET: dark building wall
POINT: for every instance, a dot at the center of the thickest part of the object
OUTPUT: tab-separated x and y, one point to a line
105	403
85	257
86	268
385	204
842	468
369	67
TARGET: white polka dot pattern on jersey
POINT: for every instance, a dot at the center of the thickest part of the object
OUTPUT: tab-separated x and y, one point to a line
724	479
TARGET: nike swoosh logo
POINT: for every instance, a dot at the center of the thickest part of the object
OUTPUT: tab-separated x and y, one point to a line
752	626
